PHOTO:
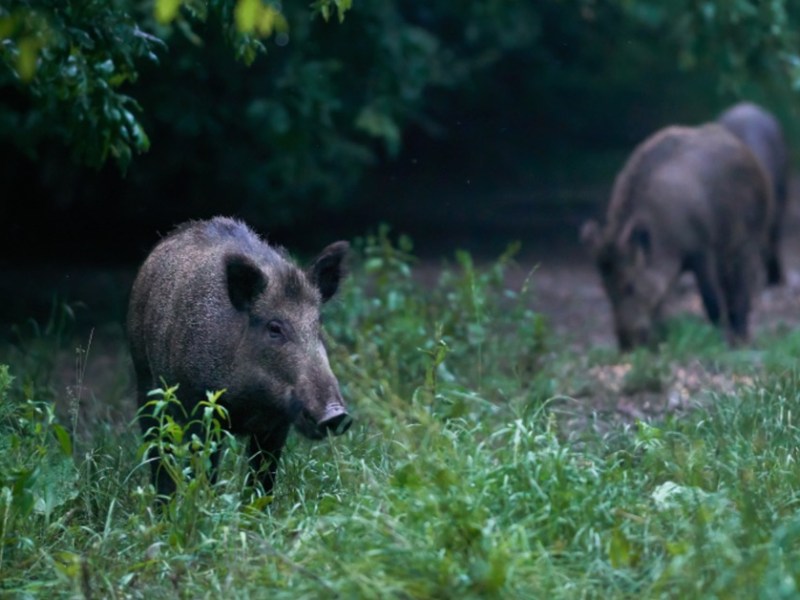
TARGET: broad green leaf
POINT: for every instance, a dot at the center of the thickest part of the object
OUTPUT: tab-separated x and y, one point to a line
140	138
381	125
106	67
253	16
246	15
6	27
619	550
343	6
167	10
26	61
67	563
63	439
56	485
270	20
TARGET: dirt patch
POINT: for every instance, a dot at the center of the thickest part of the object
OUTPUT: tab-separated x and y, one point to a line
569	293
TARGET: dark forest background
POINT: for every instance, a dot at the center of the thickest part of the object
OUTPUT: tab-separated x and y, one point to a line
457	123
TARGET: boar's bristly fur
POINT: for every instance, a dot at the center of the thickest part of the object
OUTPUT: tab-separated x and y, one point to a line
688	199
762	134
214	307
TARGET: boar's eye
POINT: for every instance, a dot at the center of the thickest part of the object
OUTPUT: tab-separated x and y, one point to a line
276	331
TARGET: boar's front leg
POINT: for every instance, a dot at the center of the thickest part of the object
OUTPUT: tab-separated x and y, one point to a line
265	451
736	285
738	313
707	277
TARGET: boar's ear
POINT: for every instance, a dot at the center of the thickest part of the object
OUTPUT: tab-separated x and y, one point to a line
327	270
245	281
591	236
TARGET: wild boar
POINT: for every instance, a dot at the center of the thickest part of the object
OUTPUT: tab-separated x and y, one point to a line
761	132
688	199
214	307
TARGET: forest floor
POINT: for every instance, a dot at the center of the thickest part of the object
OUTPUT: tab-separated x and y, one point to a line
569	293
566	290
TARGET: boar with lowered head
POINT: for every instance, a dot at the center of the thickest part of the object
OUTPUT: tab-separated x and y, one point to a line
762	134
215	307
688	199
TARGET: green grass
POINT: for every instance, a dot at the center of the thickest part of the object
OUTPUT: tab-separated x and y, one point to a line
459	479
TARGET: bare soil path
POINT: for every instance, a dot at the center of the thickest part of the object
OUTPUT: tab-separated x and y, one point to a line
568	292
568	289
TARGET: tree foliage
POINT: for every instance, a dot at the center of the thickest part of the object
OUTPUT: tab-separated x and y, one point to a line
738	39
69	63
278	106
66	65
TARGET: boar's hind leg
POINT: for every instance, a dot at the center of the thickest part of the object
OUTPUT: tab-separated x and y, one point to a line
708	283
774	268
265	451
774	271
737	293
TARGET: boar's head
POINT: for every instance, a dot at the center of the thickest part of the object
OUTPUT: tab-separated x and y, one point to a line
281	365
631	280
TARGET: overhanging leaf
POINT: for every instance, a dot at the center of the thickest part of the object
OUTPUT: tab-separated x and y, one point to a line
166	10
26	60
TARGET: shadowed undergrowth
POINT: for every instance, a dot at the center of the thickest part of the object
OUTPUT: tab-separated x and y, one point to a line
461	477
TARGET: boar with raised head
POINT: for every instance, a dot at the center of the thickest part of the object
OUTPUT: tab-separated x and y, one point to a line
215	307
762	134
688	199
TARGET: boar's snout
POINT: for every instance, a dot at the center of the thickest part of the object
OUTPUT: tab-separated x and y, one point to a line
335	421
337	424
